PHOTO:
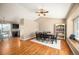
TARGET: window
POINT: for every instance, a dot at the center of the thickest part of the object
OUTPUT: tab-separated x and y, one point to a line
5	27
76	28
4	30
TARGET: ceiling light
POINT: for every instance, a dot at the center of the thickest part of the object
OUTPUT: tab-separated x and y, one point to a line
42	12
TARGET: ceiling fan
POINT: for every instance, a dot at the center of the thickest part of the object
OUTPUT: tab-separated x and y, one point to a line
42	12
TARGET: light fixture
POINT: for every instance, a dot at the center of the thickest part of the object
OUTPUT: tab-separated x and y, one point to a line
42	12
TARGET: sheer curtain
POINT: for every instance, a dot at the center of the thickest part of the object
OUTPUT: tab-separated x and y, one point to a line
76	28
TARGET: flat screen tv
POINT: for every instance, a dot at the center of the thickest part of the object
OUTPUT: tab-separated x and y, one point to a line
15	26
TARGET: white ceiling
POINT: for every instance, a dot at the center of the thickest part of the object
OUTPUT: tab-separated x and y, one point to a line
28	10
56	10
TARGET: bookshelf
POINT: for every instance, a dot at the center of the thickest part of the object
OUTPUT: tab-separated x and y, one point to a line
60	31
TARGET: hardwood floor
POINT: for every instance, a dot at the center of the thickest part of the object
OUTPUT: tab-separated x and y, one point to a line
16	46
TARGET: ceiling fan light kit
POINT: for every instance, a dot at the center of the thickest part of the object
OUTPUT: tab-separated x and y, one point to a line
42	12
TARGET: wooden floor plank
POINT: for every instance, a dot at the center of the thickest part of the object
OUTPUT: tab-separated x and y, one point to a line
15	46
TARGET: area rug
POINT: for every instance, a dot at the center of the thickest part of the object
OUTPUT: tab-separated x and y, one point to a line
54	45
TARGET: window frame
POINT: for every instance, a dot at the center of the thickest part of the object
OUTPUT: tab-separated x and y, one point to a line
74	30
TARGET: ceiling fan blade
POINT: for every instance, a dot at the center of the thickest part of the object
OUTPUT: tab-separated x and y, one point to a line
38	12
42	11
46	12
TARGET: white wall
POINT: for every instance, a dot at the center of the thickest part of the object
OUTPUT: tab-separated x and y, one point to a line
71	16
14	12
28	28
47	24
